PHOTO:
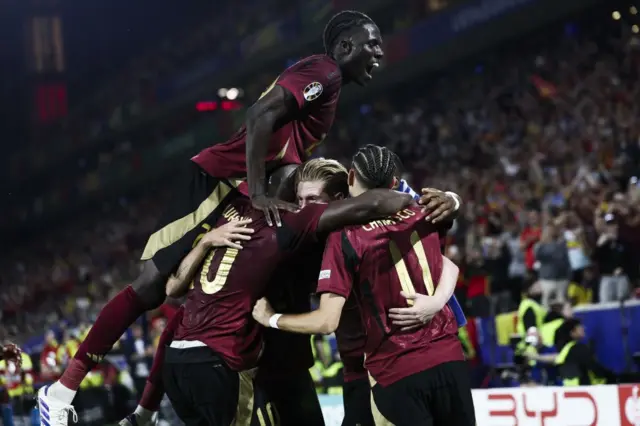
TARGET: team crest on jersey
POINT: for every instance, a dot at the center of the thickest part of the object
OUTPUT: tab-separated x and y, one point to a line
312	91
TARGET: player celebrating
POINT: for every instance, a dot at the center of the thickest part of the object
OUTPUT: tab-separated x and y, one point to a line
421	375
217	329
288	121
284	366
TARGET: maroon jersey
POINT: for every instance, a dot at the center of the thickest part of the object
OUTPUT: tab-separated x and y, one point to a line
351	335
230	281
377	261
289	293
351	338
315	83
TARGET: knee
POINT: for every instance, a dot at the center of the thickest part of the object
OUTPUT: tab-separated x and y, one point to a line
150	285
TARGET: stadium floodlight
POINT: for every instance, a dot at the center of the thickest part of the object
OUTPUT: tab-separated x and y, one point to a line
635	29
222	92
616	15
232	93
633	10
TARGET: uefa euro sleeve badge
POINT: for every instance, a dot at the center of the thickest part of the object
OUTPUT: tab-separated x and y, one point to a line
312	91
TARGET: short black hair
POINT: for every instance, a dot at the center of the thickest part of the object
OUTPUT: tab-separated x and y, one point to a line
376	166
341	22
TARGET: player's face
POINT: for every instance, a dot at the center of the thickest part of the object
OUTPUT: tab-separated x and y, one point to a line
364	54
311	192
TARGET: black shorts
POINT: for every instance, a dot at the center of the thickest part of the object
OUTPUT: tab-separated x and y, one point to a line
356	398
439	396
205	392
294	396
195	206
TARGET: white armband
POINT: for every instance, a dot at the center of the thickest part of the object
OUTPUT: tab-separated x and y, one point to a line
273	321
455	199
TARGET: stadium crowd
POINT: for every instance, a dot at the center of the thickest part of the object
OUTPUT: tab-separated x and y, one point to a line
543	150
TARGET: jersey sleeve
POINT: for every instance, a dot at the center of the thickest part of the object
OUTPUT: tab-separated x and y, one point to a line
336	272
308	82
299	229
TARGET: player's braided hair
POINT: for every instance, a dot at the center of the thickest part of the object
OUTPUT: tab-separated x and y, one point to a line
376	166
341	22
331	172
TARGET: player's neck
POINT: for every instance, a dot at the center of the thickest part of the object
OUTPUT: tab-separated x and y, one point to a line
356	190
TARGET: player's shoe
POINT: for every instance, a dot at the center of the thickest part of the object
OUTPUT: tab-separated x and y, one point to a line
54	412
132	420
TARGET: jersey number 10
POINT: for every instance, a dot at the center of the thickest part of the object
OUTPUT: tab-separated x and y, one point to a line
229	256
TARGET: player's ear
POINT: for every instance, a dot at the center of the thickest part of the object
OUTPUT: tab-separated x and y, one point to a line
352	177
346	45
394	183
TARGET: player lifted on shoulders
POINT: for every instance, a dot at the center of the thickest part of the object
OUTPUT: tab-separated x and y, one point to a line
419	375
283	127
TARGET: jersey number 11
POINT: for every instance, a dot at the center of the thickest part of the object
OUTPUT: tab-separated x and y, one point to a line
403	272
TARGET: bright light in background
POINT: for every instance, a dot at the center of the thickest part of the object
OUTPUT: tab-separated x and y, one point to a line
616	15
633	10
232	93
635	29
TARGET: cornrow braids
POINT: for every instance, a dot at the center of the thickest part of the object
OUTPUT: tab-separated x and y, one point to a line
376	166
341	22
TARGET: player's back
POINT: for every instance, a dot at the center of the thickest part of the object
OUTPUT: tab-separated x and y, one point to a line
230	281
315	84
289	292
400	253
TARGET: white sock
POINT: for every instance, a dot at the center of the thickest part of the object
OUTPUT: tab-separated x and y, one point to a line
143	414
62	393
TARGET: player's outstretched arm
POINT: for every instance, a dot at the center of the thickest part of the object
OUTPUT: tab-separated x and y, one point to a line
323	320
425	307
228	235
276	106
373	204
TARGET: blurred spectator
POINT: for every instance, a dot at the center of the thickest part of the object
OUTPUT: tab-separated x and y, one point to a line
517	266
554	269
575	237
497	262
613	255
139	356
529	237
580	291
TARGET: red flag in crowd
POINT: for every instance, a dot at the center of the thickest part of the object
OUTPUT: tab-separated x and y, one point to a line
545	88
